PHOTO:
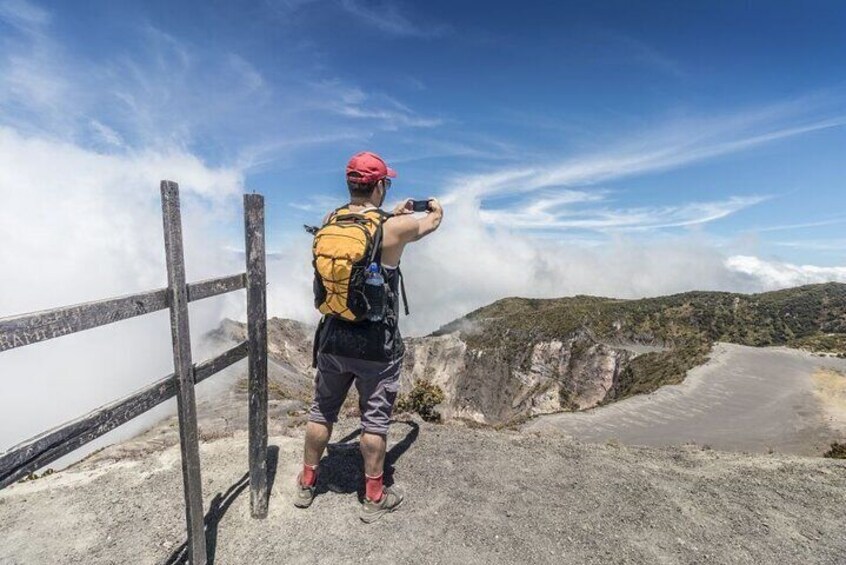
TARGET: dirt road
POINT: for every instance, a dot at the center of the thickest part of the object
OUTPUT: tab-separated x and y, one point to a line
743	399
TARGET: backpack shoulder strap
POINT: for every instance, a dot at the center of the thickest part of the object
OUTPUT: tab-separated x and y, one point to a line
335	213
376	256
402	290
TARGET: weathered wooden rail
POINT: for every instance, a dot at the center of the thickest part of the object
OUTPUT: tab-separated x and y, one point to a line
19	331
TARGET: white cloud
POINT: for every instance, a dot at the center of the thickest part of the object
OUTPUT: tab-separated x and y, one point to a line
468	264
775	274
77	226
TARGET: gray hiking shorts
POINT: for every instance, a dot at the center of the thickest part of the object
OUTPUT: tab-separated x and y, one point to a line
377	383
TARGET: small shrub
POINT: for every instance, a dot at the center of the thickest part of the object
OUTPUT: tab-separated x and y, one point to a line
35	476
837	451
422	399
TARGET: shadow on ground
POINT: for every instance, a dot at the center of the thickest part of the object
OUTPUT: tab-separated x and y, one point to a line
341	471
220	504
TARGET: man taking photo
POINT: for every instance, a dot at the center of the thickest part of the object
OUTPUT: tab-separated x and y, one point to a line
358	285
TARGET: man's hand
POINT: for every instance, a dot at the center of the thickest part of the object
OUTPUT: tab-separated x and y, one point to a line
431	221
435	207
402	208
407	227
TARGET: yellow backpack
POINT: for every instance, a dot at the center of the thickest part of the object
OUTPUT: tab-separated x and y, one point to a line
343	248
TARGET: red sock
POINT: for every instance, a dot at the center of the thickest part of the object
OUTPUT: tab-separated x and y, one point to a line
309	476
373	487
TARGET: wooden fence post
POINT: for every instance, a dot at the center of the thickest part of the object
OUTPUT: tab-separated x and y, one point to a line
257	339
183	368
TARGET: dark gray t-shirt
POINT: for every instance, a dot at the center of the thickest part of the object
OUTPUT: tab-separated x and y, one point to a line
372	341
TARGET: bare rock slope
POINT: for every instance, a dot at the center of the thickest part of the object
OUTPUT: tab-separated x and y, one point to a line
473	497
487	387
479	385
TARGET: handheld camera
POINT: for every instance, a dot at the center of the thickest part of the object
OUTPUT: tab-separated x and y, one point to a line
420	205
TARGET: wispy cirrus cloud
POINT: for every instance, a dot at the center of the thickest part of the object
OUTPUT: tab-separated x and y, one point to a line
107	134
379	109
317	204
23	15
387	17
562	212
32	82
674	145
833	245
176	93
799	226
614	46
662	152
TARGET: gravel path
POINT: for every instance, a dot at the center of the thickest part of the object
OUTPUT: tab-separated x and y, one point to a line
473	497
743	399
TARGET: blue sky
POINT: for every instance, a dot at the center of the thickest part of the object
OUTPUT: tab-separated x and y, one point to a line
580	122
616	149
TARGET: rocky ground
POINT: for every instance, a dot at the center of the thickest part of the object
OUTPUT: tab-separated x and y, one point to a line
473	497
476	495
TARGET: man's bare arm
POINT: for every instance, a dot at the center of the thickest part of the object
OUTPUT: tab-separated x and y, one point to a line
405	228
409	228
431	221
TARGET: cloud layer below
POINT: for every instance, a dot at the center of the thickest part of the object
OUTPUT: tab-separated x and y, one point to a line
78	226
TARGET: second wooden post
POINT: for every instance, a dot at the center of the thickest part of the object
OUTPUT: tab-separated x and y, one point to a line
183	367
257	338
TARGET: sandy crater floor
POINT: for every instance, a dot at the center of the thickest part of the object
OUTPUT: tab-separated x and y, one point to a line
743	399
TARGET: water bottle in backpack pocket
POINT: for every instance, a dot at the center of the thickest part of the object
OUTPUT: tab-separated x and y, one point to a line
374	292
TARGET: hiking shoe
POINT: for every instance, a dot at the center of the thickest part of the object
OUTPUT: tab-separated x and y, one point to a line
372	511
303	496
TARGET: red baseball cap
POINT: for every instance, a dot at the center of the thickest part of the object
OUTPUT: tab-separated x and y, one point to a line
368	167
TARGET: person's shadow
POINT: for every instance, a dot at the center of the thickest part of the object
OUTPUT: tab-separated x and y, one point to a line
341	471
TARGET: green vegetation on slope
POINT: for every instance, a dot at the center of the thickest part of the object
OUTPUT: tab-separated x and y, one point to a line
422	399
812	316
647	372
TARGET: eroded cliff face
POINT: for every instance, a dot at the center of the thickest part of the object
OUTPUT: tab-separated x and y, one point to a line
486	387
